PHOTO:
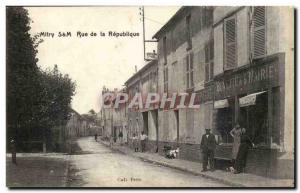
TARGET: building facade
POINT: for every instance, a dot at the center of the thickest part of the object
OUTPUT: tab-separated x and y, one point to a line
184	55
240	62
253	80
144	81
113	121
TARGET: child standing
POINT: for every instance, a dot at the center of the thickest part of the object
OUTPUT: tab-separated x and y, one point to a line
135	143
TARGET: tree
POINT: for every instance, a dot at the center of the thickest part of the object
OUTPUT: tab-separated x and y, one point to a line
37	100
92	112
57	92
22	73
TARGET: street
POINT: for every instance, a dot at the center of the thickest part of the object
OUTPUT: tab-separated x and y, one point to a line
96	165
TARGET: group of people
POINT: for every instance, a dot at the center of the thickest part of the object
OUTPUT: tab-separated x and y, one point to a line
113	139
142	139
241	144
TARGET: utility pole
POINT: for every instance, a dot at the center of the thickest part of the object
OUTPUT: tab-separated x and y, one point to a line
142	14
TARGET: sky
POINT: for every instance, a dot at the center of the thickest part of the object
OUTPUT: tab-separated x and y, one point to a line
95	61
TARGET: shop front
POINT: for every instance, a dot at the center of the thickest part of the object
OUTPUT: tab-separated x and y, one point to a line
251	97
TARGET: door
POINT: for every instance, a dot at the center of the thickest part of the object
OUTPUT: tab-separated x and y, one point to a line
145	121
177	124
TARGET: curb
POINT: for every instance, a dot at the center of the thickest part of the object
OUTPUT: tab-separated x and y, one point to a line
227	182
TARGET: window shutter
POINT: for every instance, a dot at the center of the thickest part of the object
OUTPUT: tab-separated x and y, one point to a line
206	56
165	49
187	71
191	61
167	75
211	56
187	63
191	68
203	17
230	43
259	32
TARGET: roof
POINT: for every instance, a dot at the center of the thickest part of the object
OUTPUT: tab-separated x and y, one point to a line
72	110
148	65
174	18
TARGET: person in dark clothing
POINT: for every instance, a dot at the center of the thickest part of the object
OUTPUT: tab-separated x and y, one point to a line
208	146
121	137
13	151
96	137
241	157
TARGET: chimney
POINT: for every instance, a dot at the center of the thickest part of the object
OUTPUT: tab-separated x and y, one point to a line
135	68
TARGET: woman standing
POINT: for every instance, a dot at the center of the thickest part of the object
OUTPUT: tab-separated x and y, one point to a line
241	158
236	133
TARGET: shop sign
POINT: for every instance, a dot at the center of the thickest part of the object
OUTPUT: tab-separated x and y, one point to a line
251	79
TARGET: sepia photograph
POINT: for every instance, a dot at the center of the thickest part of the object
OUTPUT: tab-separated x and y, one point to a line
150	96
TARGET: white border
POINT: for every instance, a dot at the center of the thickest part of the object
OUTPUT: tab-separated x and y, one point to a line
5	3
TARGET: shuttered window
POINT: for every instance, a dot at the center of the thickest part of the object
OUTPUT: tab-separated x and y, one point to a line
190	70
203	17
230	43
165	49
259	32
188	32
166	78
209	60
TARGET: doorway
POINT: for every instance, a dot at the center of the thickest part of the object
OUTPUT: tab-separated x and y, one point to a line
145	121
177	125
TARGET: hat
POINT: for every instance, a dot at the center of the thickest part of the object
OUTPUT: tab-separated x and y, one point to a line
207	129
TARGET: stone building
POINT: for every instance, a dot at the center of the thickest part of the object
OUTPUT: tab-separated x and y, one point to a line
185	48
253	78
240	62
113	120
144	81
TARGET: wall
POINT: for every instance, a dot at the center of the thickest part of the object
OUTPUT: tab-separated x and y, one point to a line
192	122
279	38
286	44
152	127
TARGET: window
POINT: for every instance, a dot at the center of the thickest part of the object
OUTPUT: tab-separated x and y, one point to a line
255	119
188	32
209	60
190	71
258	32
166	79
203	17
165	49
207	16
230	43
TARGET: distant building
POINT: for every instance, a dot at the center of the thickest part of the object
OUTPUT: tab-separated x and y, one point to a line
113	120
78	126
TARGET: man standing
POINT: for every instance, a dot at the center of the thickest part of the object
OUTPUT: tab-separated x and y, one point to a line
143	141
121	137
13	151
208	146
96	137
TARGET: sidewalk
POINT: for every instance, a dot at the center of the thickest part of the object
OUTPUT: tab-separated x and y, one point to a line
235	180
37	170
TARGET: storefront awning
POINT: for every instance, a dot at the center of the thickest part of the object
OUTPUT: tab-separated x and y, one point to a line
221	104
249	99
